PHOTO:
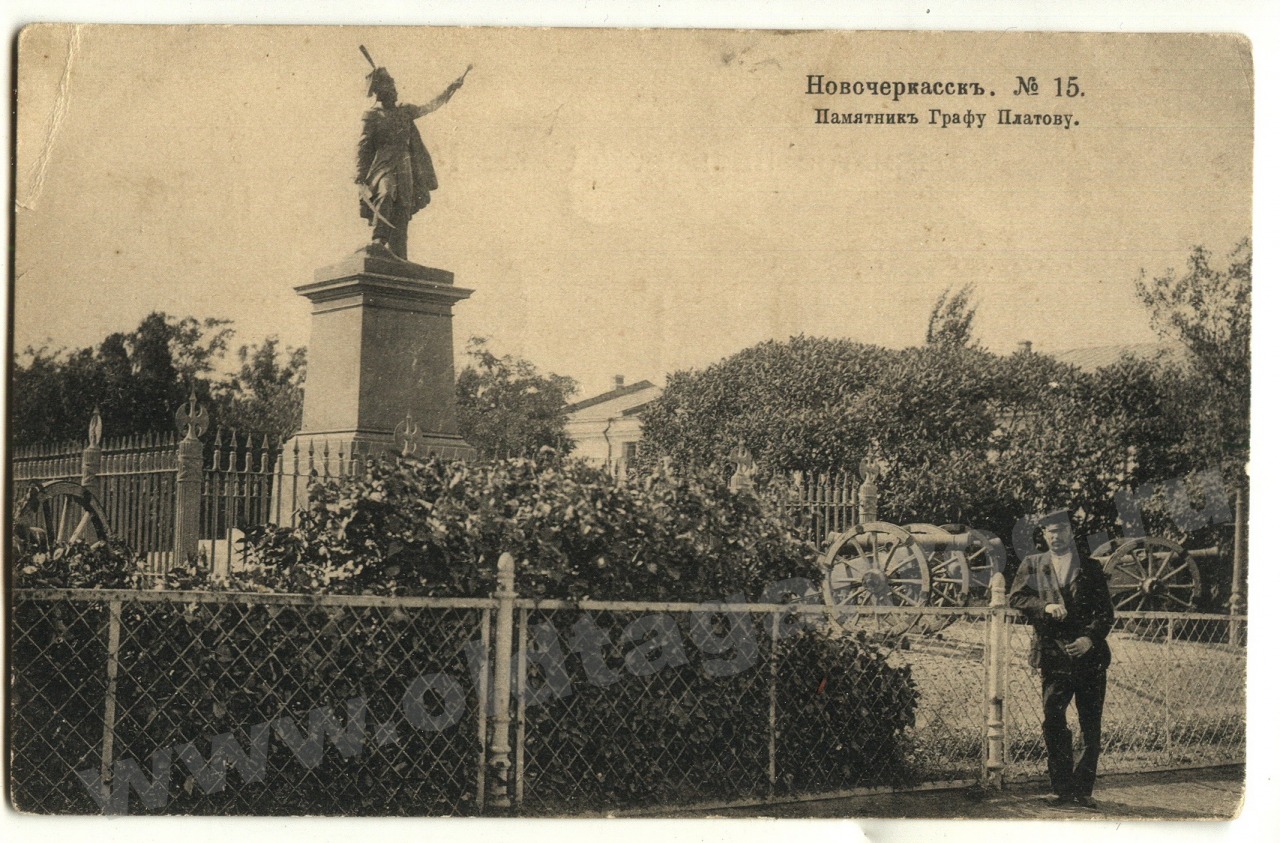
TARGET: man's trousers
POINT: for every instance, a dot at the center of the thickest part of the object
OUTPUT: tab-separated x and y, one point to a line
1067	775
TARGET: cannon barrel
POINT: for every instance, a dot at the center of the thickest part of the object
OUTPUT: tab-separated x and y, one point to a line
960	541
932	537
1201	553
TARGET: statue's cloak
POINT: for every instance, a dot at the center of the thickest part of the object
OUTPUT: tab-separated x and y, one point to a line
393	161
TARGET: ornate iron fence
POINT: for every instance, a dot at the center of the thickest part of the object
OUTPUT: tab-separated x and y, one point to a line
173	498
221	703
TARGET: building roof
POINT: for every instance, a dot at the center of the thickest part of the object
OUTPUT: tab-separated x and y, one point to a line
1096	357
619	392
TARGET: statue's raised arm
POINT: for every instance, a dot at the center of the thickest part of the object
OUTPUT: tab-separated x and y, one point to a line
394	173
444	97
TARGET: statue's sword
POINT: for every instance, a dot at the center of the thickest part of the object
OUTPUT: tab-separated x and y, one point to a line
374	209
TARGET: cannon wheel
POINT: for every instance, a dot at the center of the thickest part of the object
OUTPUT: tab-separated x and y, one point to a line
56	513
1103	551
876	564
984	556
949	581
1152	574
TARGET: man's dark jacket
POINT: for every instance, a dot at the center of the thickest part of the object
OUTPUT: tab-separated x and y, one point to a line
1089	613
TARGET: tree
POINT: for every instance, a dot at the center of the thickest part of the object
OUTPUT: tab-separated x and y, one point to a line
795	405
951	319
507	408
1209	310
136	379
818	404
265	397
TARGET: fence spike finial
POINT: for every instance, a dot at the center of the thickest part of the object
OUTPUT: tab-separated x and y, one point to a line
192	419
95	428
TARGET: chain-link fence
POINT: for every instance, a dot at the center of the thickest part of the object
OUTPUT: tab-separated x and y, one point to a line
632	705
219	704
1175	696
172	702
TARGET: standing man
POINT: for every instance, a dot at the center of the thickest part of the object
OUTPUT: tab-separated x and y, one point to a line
1065	596
393	170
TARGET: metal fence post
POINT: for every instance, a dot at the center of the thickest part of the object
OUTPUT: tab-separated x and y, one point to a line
773	700
109	707
522	693
1236	603
995	673
1168	690
193	421
499	761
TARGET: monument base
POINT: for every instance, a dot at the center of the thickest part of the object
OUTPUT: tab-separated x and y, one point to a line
379	370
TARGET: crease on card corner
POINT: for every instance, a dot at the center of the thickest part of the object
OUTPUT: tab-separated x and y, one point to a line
60	107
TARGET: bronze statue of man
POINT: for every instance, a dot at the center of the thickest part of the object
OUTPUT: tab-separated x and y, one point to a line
393	170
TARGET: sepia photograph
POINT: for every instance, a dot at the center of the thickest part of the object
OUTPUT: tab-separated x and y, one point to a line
600	422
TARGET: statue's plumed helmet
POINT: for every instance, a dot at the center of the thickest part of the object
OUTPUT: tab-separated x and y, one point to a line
378	79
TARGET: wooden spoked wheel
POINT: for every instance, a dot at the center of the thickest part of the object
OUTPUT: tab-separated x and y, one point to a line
985	558
949	583
1103	551
57	513
1152	574
875	564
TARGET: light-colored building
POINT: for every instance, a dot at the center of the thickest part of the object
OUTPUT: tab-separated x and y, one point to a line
606	427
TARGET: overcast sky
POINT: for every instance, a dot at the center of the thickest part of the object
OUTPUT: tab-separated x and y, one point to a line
626	202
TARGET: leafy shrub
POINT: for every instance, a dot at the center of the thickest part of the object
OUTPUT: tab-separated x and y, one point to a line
847	709
434	527
699	730
193	676
191	671
102	564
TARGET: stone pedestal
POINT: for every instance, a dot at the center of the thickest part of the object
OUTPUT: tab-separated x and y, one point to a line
379	364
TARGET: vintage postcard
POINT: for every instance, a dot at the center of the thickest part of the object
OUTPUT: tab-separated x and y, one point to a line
467	422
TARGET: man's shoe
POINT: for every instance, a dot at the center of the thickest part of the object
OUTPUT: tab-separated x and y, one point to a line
1059	801
1087	802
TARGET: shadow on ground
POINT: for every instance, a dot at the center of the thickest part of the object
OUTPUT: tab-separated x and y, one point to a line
1211	794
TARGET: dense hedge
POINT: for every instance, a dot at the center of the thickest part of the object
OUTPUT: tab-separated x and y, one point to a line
965	435
701	729
102	564
196	676
433	527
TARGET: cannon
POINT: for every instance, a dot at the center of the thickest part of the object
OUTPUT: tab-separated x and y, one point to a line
876	563
962	561
865	562
882	564
1153	574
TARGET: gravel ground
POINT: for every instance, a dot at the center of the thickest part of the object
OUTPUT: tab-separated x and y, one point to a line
1168	703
